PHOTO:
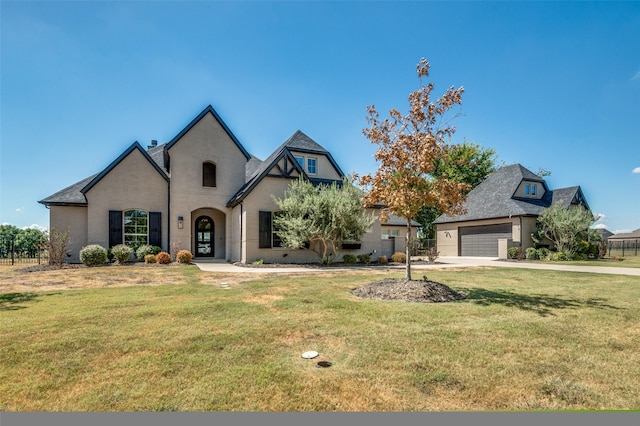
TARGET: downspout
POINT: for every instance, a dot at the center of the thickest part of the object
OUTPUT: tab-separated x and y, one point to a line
241	236
169	216
521	234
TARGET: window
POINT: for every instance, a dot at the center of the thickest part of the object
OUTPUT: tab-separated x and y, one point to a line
209	174
276	241
312	166
526	189
136	227
387	233
268	232
533	189
300	161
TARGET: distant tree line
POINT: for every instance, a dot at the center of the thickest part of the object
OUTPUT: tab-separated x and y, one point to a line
27	241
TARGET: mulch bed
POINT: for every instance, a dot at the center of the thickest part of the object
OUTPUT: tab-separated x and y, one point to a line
425	291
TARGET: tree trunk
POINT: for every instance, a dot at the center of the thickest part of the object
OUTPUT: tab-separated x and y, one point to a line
408	250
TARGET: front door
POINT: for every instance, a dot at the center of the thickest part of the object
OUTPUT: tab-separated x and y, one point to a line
204	237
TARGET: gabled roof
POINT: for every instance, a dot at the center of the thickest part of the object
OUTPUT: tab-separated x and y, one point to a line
495	197
209	110
134	146
70	195
298	142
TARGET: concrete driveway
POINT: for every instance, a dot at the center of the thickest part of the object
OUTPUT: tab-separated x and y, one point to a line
444	262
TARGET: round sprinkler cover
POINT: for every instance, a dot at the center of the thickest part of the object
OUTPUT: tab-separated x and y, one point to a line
309	354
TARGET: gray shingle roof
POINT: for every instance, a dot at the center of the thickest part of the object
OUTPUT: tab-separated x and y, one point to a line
626	235
399	221
157	154
70	195
494	197
297	142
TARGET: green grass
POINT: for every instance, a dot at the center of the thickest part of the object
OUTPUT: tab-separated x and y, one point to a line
523	340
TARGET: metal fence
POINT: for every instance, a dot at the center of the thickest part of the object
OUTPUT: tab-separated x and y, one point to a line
623	248
10	256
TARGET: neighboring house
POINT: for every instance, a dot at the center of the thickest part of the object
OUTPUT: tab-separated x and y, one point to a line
201	191
394	234
625	243
504	207
625	236
604	233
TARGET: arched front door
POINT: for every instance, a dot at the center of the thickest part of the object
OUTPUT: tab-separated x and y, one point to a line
204	237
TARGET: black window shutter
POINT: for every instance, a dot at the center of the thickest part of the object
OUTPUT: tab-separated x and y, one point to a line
115	227
265	230
155	229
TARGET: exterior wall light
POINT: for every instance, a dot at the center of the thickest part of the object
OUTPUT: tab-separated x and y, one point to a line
180	222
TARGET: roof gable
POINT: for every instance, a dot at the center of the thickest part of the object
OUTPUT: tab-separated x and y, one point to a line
282	163
494	197
209	110
135	146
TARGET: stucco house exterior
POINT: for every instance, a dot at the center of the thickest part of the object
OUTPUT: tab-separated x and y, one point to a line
501	212
201	191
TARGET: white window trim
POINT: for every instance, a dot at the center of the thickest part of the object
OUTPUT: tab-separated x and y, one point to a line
315	159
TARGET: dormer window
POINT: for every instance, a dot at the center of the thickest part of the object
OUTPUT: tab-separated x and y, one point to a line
530	189
209	174
312	165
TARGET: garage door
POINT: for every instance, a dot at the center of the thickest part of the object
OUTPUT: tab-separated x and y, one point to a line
482	240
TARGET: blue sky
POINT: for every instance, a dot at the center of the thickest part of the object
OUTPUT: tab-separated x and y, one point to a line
553	85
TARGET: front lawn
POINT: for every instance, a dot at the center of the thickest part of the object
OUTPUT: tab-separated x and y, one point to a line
523	340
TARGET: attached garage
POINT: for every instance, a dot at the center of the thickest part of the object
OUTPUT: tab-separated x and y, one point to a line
482	241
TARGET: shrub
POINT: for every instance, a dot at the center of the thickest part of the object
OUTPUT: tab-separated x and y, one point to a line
557	256
122	253
150	258
184	256
144	250
543	253
364	258
532	253
383	260
163	257
399	257
156	249
514	253
349	259
432	254
93	254
258	262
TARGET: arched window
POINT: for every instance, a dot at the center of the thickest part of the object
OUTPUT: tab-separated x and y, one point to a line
136	227
209	174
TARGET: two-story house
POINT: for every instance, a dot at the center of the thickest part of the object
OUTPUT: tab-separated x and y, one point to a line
201	191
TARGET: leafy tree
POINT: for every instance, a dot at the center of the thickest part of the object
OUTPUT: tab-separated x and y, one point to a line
467	163
410	148
323	216
29	241
566	228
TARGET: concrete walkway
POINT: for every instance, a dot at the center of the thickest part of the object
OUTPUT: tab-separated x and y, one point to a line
444	262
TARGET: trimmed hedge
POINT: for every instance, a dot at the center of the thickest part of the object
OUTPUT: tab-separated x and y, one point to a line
163	258
93	254
122	253
184	256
